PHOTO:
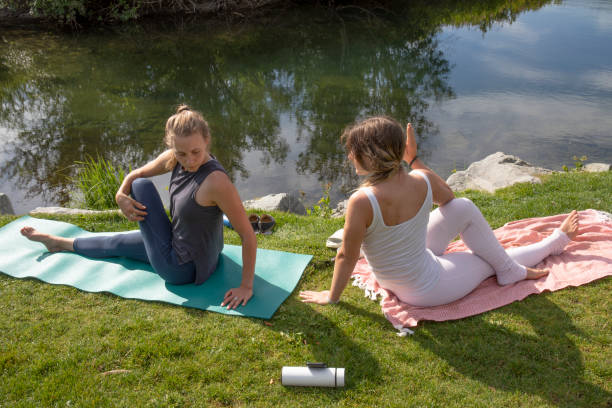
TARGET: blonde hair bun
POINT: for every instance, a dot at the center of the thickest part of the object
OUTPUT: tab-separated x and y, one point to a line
182	108
185	122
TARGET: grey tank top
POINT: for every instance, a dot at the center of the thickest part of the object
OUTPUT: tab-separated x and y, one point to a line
197	231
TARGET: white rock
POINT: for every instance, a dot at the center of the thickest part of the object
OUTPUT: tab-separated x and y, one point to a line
5	205
288	202
68	211
495	171
340	209
596	167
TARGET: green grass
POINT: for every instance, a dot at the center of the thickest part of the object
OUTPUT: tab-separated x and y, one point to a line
548	350
98	181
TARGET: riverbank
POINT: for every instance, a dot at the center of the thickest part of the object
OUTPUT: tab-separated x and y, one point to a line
80	13
59	344
494	172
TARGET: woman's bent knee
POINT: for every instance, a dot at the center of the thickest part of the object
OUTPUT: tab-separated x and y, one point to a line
466	202
464	205
141	184
144	191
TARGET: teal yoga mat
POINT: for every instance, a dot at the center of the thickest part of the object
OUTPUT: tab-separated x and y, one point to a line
276	272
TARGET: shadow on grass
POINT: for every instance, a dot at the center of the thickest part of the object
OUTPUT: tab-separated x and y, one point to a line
325	342
309	336
376	321
545	363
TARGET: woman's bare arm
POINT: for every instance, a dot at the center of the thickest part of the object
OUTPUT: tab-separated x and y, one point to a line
155	167
219	189
441	191
358	213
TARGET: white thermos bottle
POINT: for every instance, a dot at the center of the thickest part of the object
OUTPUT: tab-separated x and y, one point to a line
313	375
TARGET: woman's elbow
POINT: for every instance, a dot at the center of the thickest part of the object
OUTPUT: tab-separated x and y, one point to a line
247	236
344	256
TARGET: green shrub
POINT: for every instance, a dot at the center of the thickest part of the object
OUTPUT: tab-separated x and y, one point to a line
322	208
79	12
98	180
63	11
578	164
15	5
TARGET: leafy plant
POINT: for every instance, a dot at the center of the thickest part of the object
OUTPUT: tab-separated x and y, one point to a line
14	5
322	208
76	12
578	161
578	164
63	11
98	180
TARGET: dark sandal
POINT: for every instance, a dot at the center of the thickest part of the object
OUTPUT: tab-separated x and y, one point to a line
266	223
254	220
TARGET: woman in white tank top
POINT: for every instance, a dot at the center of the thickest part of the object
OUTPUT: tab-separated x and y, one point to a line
389	218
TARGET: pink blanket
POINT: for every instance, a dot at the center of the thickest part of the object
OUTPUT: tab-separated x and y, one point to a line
587	258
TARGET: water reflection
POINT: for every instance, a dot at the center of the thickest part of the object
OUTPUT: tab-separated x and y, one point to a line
532	89
62	97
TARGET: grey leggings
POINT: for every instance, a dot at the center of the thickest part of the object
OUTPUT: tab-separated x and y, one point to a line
152	244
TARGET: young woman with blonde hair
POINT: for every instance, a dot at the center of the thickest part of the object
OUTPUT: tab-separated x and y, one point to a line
186	249
389	218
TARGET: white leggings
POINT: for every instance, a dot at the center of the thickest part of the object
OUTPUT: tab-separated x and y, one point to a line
462	272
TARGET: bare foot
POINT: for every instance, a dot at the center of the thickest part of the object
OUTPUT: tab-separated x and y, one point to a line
570	225
52	242
535	273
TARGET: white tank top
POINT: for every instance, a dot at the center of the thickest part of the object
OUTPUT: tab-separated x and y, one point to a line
398	254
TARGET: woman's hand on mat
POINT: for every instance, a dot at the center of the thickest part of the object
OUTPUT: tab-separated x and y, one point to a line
310	296
132	209
237	297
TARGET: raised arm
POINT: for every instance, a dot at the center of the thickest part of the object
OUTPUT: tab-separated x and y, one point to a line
131	208
441	192
218	188
358	215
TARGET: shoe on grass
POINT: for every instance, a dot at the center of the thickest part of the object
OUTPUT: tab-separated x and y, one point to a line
335	240
266	223
254	220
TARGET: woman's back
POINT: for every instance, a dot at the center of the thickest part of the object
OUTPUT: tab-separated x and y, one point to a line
395	240
401	197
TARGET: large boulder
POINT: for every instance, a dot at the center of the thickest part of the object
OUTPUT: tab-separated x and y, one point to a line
340	209
5	205
495	171
596	167
68	211
288	202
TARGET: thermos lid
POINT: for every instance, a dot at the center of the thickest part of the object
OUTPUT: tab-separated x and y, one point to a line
339	377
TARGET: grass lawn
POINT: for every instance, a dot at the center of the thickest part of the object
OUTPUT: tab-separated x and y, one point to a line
57	343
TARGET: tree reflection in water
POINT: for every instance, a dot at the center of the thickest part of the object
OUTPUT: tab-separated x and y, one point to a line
63	97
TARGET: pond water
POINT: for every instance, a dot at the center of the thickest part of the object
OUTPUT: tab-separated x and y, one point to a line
530	78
